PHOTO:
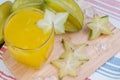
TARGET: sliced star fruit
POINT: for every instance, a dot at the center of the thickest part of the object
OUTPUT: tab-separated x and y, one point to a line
75	19
78	50
68	66
56	20
68	45
98	26
71	59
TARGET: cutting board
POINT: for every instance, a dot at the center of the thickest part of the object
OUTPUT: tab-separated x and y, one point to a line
99	51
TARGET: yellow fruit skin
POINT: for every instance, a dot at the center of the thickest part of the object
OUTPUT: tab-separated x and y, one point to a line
76	17
5	10
18	4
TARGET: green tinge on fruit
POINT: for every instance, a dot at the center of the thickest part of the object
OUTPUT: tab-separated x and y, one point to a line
68	45
77	51
50	19
98	26
76	17
5	11
67	66
18	4
70	60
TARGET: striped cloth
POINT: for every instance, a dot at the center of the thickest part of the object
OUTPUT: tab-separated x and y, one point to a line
111	69
5	74
109	7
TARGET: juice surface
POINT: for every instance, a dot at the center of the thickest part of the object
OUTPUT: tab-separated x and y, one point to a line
22	32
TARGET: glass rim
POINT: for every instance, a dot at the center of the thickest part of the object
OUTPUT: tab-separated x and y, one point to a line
11	44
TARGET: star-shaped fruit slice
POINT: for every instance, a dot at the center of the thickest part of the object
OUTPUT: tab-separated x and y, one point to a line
98	26
67	66
71	59
55	20
78	51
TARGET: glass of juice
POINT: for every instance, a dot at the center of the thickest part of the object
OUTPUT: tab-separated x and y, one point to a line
26	42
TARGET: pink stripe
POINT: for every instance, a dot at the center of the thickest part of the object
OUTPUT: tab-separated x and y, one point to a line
87	79
112	2
105	11
1	52
0	57
1	77
8	76
104	6
3	49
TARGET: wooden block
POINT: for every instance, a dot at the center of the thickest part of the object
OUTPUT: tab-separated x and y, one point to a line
99	51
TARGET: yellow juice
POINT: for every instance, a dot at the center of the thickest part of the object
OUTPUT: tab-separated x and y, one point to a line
26	42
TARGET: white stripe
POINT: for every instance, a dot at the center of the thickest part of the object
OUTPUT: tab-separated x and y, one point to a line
108	14
1	52
3	77
99	1
108	70
113	76
118	0
113	65
4	69
116	23
118	54
98	76
105	9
